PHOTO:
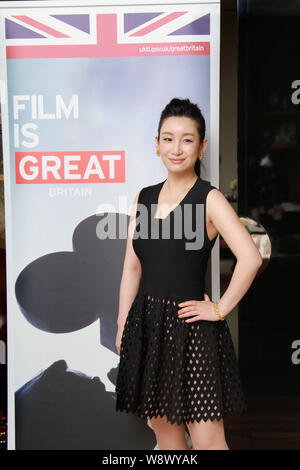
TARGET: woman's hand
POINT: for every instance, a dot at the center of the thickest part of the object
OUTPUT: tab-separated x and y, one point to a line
197	310
118	339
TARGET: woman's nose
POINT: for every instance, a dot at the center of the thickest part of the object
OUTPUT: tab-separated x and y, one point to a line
177	148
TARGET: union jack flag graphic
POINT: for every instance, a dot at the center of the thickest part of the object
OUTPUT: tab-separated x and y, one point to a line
99	34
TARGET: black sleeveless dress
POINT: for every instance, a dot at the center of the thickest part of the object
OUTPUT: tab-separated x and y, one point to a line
184	371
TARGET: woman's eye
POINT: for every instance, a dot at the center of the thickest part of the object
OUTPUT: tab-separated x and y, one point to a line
168	139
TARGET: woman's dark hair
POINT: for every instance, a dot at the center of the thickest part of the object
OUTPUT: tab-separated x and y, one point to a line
178	107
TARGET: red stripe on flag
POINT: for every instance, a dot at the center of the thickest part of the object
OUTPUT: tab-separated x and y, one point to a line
40	26
157	24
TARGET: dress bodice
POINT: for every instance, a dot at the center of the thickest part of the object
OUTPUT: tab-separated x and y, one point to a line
173	251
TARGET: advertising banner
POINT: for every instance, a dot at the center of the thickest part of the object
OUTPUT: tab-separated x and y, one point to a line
82	89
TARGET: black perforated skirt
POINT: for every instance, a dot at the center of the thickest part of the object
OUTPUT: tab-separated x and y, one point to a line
184	371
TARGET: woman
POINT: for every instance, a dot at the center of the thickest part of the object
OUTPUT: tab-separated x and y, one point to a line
177	362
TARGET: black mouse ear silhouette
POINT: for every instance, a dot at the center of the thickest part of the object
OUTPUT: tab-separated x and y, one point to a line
103	236
58	293
66	291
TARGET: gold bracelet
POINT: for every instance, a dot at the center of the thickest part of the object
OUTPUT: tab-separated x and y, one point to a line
216	308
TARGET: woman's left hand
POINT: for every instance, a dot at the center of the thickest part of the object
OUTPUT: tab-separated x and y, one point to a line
197	310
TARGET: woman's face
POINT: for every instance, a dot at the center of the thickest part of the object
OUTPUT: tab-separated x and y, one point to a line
179	143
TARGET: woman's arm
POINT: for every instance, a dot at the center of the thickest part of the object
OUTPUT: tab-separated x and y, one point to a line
131	274
228	224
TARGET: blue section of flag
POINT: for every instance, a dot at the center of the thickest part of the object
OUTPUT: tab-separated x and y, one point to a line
132	20
81	22
199	26
16	31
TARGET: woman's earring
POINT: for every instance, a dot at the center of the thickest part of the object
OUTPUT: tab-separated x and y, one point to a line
200	155
157	153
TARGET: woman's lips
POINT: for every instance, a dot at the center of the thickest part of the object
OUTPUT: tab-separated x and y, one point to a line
177	161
